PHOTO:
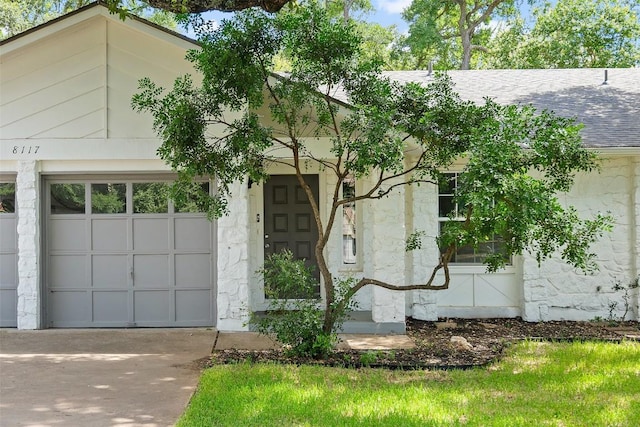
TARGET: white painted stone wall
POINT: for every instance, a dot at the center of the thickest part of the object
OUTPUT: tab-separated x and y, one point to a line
386	261
424	205
635	237
555	290
28	202
233	262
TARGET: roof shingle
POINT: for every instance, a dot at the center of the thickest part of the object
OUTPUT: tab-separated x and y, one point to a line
610	112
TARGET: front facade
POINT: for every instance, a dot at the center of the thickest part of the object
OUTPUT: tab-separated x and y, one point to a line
89	238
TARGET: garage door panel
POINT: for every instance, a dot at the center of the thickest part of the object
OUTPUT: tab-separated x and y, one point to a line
109	234
70	308
67	235
189	234
193	306
152	307
193	270
8	263
8	306
109	271
150	234
67	271
151	271
110	307
7	234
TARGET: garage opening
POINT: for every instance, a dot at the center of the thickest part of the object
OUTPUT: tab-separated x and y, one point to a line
120	253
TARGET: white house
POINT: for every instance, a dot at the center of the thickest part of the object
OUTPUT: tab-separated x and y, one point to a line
72	257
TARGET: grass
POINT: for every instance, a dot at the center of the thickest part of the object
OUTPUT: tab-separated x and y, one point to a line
537	384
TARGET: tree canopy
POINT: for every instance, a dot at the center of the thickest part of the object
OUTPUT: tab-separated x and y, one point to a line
450	31
572	34
199	6
17	16
391	135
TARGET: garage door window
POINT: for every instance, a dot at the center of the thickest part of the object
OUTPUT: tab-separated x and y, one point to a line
150	197
109	198
195	201
7	198
67	199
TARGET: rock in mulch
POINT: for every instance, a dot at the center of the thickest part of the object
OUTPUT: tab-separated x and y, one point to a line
461	343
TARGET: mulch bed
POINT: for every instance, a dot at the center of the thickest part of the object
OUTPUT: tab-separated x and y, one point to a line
487	339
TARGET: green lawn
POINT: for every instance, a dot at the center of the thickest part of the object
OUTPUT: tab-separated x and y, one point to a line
537	384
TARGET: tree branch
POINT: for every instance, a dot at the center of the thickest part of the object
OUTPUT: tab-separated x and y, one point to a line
479	47
199	6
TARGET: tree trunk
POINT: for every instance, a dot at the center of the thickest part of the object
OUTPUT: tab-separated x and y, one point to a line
465	36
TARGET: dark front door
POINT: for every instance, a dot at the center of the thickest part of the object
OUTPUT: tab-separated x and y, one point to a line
289	222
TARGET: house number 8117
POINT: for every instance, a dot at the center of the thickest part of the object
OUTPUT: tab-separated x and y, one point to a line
25	149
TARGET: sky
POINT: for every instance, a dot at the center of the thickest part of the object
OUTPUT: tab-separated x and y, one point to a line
387	12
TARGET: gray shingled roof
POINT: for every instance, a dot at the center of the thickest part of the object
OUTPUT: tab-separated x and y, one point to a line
610	112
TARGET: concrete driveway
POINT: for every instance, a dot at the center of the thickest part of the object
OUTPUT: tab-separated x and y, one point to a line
123	378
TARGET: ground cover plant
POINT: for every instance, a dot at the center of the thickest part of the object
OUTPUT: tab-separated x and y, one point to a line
537	383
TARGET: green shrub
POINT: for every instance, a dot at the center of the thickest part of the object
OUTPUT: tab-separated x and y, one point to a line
294	316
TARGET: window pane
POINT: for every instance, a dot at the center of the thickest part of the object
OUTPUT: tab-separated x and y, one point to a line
67	199
150	197
7	197
193	202
349	222
465	254
108	198
448	184
446	206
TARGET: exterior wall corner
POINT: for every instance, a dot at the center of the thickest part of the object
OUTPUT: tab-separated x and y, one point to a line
387	256
534	293
635	238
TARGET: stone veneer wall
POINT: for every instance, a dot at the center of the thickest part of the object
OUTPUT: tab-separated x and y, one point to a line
387	258
555	290
424	217
29	295
635	240
233	262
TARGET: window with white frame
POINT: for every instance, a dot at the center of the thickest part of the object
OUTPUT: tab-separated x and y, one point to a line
349	223
448	209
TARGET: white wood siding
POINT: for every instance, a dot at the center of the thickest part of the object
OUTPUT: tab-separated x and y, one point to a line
53	88
77	83
133	55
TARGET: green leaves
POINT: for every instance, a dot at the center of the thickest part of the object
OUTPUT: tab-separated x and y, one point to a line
516	159
573	34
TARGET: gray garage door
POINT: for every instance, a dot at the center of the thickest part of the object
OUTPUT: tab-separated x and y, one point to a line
121	254
8	255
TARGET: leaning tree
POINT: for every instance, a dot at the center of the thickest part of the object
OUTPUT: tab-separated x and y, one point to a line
389	135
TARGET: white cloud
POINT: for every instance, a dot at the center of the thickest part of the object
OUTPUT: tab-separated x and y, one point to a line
393	6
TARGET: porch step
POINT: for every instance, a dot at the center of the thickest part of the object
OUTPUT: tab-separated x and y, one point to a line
361	322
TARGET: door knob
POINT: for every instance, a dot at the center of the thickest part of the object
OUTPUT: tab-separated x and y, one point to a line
266	245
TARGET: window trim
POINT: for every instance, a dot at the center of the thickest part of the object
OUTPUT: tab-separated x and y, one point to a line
357	264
